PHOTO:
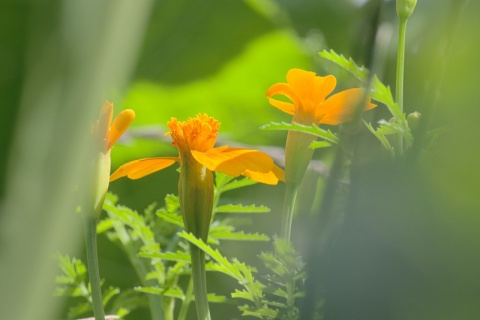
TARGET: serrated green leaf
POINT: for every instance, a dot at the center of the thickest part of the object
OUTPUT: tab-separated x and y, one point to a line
104	225
172	204
212	297
379	91
169	292
239	236
237	183
109	294
280	293
313	130
360	73
171	256
214	254
319	144
72	268
381	138
221	180
239	208
258	312
64	280
277	304
170	217
81	308
242	295
236	270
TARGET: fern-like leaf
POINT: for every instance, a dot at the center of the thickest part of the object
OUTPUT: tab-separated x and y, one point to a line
239	208
313	130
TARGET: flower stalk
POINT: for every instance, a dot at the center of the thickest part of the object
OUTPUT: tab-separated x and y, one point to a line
105	134
291	192
195	189
404	10
90	229
402	29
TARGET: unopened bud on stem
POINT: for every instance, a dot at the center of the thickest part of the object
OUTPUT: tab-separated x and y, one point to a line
405	8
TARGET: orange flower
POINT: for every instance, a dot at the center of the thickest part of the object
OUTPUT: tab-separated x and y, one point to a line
106	134
195	140
310	105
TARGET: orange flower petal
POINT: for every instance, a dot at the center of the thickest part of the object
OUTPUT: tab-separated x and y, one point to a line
234	161
341	106
323	86
119	126
270	177
309	88
285	90
286	107
140	168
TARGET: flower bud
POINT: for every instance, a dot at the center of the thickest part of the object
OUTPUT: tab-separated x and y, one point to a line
405	8
413	120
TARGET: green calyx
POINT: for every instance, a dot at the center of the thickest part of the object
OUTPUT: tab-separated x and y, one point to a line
195	189
405	8
297	156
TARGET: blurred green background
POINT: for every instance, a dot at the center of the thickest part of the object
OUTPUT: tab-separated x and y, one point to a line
409	243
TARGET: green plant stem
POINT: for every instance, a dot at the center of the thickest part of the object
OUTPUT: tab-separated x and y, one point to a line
199	282
290	298
182	315
90	228
402	30
168	308
291	191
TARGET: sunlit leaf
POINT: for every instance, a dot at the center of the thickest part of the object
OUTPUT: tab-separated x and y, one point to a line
239	208
313	130
172	256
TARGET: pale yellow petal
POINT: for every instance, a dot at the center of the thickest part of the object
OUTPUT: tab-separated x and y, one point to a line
103	124
140	168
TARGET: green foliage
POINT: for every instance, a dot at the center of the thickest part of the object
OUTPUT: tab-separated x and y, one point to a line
161	257
319	144
242	209
287	269
381	93
158	250
225	182
313	130
253	289
73	283
327	135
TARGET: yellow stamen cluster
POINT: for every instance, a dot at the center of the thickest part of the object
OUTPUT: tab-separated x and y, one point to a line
199	133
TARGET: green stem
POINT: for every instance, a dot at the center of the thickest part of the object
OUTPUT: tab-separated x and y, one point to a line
90	228
168	308
182	315
199	282
402	30
290	298
288	208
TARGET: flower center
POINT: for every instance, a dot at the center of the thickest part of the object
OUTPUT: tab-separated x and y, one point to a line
199	133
